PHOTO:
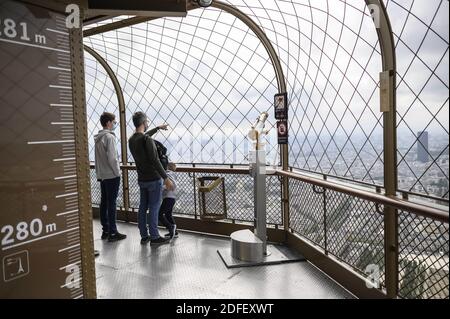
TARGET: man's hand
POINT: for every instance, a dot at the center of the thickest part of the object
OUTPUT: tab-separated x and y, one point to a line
163	127
168	184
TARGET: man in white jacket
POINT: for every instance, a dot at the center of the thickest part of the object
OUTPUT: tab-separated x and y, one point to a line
107	168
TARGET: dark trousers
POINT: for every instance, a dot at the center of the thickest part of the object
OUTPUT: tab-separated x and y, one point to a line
165	213
110	190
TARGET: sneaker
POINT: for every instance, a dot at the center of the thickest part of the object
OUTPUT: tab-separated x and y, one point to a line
145	240
117	236
159	241
105	235
96	253
169	235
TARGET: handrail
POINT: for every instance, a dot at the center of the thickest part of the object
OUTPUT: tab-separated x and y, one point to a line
403	205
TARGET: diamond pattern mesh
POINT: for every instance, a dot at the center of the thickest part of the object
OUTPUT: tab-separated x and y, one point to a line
208	76
100	97
212	202
423	257
352	227
96	193
331	60
422	42
355	231
306	211
186	201
238	191
194	74
95	189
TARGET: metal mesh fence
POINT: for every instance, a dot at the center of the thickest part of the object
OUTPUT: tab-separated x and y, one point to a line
211	196
96	193
95	188
346	227
422	46
209	76
423	257
355	232
186	201
238	191
306	209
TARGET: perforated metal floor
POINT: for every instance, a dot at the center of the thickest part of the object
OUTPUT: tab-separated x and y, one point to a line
190	268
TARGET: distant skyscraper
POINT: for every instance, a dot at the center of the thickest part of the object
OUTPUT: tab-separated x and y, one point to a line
422	147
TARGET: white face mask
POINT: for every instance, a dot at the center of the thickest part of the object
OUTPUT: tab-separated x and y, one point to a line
114	126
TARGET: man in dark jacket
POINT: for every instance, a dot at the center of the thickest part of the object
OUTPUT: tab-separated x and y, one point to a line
151	176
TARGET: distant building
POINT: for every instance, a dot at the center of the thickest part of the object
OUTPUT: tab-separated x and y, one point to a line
422	147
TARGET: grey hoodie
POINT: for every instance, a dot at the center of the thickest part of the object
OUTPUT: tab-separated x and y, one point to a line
107	164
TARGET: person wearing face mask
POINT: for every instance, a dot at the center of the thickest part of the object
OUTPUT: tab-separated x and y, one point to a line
151	176
107	169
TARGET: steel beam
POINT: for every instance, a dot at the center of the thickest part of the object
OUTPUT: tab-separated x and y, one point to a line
82	163
386	40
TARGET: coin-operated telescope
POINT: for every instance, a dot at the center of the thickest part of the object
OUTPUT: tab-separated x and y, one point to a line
251	247
257	133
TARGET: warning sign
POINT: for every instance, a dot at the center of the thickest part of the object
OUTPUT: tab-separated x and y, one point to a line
281	107
282	129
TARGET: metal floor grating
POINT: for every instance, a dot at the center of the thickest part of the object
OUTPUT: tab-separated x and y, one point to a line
190	268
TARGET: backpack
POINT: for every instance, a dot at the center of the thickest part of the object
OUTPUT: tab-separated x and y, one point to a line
162	154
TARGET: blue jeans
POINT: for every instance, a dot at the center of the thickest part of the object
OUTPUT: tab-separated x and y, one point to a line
109	191
151	193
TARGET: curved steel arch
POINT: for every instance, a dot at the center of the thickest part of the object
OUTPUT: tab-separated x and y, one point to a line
388	106
121	103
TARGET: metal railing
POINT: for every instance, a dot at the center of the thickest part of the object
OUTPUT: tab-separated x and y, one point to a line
346	223
238	190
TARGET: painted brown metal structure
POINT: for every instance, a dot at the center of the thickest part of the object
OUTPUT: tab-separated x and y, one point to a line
82	163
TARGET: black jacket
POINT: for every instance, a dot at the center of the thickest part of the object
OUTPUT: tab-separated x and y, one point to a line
146	157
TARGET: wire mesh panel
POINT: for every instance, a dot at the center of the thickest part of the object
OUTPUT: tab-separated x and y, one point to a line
96	193
239	196
211	198
274	214
355	233
185	203
133	189
349	228
423	257
95	188
207	75
306	209
422	45
100	97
